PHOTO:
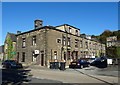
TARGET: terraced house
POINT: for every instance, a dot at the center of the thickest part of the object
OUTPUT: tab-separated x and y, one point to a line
61	43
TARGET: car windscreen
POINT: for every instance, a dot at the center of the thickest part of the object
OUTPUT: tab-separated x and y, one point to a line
81	60
13	61
97	59
103	58
91	59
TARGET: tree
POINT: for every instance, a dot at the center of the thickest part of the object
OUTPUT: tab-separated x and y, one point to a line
111	51
118	52
9	48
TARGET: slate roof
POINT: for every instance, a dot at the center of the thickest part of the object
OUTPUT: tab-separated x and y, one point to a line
1	48
13	37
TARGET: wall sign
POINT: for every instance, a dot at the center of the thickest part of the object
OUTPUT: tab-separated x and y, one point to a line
36	51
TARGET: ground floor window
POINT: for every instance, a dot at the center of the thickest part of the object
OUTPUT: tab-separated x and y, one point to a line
23	57
55	54
68	53
34	57
76	54
64	56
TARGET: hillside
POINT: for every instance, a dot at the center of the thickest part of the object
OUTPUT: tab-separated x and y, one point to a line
112	52
107	33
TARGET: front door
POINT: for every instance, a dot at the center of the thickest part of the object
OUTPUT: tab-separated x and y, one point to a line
76	55
42	59
64	56
17	57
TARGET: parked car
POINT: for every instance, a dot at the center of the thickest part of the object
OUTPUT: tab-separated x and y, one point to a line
11	64
91	60
100	62
80	63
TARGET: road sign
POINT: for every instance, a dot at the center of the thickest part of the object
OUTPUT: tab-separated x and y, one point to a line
13	53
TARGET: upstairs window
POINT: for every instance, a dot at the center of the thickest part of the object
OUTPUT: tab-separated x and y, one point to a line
58	40
23	43
86	44
81	44
68	41
70	30
64	41
90	45
34	40
76	43
76	32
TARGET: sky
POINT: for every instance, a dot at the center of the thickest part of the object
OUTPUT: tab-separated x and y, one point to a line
91	18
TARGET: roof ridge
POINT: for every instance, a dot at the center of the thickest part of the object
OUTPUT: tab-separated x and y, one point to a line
12	33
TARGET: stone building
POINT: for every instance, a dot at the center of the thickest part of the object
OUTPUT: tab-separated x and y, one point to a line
12	37
1	52
112	41
61	43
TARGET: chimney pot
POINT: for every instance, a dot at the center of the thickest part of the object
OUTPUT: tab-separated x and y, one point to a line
18	32
38	23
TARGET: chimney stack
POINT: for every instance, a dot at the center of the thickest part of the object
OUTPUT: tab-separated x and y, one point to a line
38	23
18	32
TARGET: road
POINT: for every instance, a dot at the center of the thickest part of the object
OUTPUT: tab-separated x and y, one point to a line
109	71
13	76
73	76
20	76
36	74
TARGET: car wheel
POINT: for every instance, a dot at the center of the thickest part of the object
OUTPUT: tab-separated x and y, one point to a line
6	66
88	65
81	66
3	66
10	66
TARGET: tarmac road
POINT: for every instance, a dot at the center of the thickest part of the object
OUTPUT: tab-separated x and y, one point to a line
109	71
20	76
39	74
71	76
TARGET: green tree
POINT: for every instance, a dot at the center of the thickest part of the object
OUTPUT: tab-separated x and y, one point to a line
111	51
118	52
9	48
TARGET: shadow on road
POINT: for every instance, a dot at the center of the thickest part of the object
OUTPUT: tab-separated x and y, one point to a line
15	76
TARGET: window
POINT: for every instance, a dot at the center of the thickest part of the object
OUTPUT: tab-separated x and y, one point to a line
64	41
76	32
23	57
34	40
90	45
23	43
68	53
58	40
68	41
86	44
76	43
94	46
81	45
55	54
64	56
34	57
70	30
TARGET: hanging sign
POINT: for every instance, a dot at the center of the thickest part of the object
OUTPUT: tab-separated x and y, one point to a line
36	51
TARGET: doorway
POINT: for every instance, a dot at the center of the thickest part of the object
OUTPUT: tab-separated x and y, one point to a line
42	59
17	57
64	56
